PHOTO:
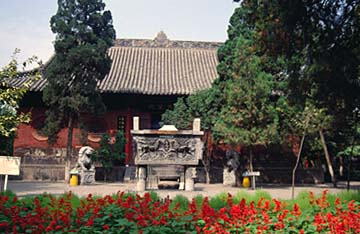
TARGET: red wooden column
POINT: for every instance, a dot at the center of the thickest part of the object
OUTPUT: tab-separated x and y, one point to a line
128	159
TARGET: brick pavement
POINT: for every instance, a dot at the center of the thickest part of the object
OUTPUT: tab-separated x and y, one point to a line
25	188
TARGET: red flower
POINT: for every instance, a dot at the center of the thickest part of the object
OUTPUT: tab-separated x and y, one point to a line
229	199
296	210
352	206
277	207
89	197
319	222
3	224
106	227
267	205
129	216
311	198
155	222
259	204
163	221
90	222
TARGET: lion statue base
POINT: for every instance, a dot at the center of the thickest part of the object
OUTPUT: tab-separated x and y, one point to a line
84	166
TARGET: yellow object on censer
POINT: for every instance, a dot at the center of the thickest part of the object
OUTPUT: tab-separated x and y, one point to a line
74	180
246	182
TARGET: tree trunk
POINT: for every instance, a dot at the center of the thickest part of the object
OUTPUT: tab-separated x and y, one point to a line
349	164
349	171
207	174
296	166
251	167
206	160
206	164
69	149
327	157
341	166
206	157
251	160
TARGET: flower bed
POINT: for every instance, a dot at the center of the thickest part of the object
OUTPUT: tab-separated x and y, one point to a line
131	213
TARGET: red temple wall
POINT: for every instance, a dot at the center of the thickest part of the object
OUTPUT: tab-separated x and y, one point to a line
28	137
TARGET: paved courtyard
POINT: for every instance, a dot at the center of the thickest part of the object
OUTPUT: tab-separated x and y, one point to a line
24	188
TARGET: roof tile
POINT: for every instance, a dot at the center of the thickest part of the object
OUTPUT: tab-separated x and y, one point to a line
156	67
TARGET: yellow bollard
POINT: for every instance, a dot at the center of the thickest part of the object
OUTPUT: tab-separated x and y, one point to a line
74	180
246	182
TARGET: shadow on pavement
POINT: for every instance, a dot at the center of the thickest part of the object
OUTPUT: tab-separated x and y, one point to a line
340	185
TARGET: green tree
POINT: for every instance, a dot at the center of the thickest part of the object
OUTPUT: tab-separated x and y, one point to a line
84	32
119	147
180	115
353	149
324	64
10	96
214	106
108	153
205	105
318	43
249	117
309	122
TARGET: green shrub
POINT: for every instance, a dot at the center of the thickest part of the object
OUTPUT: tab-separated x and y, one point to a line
302	199
219	201
74	199
199	200
180	202
349	195
154	196
261	194
8	193
242	195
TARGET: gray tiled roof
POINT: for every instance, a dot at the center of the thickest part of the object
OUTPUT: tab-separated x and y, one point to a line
20	80
157	67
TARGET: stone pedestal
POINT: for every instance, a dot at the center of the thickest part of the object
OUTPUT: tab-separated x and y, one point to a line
181	185
141	175
229	178
130	174
140	186
190	175
87	177
189	184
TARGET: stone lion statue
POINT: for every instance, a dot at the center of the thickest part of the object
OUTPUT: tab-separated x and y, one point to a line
232	160
84	162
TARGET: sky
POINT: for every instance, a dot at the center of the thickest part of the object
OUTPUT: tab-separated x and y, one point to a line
24	24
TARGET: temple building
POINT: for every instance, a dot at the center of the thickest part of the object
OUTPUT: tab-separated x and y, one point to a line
146	77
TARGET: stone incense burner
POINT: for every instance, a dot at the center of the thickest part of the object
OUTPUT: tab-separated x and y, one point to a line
166	154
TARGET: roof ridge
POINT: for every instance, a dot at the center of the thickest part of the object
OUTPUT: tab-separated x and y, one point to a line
165	43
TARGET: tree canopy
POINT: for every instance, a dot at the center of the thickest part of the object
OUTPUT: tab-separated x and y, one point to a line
249	116
10	97
281	59
84	32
